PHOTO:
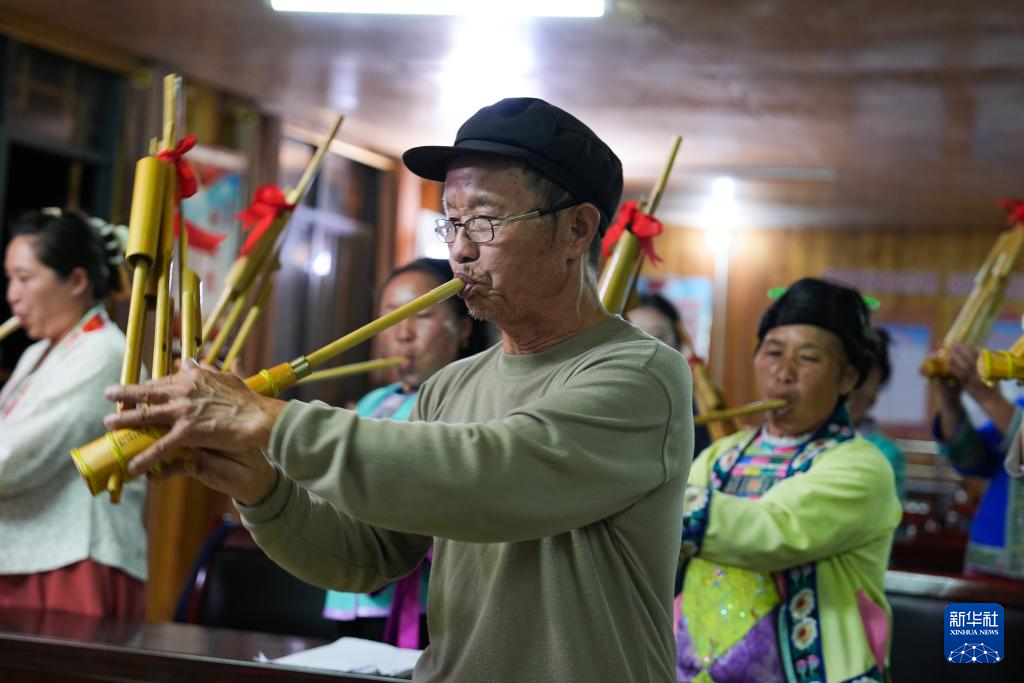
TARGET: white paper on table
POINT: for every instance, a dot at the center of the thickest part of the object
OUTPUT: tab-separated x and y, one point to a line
355	655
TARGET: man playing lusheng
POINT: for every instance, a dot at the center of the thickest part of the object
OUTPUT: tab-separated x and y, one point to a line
546	472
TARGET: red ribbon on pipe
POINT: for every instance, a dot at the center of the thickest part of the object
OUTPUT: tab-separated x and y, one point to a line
644	227
1014	209
186	187
187	184
203	240
268	203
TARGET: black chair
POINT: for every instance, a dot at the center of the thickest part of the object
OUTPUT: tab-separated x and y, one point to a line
233	584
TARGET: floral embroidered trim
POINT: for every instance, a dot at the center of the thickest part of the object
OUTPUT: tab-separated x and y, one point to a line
802	655
722	469
800	644
696	502
872	675
802	603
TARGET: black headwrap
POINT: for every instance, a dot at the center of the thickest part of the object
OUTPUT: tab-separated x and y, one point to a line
830	306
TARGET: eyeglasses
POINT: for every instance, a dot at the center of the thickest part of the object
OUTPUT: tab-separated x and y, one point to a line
480	229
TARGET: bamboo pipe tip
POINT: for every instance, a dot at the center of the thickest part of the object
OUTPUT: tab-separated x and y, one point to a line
935	367
999	365
740	411
9	327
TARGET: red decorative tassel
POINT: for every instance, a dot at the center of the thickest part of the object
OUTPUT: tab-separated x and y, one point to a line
204	240
187	184
268	203
1014	209
644	227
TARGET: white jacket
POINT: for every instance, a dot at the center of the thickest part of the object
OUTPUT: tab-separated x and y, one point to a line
48	519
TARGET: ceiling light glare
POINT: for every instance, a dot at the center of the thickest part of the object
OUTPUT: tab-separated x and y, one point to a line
464	8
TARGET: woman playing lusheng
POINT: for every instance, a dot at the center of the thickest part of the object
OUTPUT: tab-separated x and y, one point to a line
63	549
787	530
428	342
977	440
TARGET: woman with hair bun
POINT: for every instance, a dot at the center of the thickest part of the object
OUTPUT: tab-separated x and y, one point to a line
787	529
63	549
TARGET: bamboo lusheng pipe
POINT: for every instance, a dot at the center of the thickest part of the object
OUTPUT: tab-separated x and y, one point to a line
103	463
164	317
353	369
706	394
977	315
246	267
251	318
234	315
149	253
233	275
10	326
191	315
714	414
710	401
994	365
739	411
160	277
624	263
144	226
172	106
270	266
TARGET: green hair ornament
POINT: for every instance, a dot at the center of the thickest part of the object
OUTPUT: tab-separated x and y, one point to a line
871	302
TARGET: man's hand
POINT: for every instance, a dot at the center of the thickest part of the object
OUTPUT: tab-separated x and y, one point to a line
201	408
246	475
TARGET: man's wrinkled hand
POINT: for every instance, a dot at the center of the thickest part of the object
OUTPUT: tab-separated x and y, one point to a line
245	475
199	408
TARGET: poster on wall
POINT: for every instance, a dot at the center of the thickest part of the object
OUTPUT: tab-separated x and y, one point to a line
904	400
214	233
691	297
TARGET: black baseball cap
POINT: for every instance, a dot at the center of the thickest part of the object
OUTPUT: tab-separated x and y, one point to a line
551	140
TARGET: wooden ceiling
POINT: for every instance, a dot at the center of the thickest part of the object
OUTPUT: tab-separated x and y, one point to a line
901	113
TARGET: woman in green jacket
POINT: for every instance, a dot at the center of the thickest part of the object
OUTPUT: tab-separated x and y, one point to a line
787	529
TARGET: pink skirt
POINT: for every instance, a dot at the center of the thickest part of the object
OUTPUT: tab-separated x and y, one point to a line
85	587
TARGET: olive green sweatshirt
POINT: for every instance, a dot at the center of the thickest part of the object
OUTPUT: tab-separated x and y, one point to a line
550	486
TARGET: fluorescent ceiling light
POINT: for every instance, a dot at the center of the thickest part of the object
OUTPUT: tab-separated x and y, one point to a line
723	187
720	214
474	8
494	74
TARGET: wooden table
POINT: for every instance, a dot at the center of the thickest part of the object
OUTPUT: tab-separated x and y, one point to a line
37	646
956	588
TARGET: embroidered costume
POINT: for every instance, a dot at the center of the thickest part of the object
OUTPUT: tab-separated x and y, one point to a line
996	542
786	542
